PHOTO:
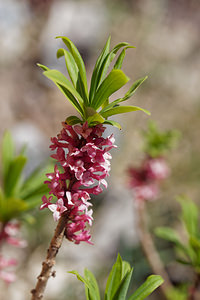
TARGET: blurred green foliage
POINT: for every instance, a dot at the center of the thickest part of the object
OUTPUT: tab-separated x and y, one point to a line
156	142
18	195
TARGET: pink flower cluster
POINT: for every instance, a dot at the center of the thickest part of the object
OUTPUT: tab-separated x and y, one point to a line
8	235
84	163
145	179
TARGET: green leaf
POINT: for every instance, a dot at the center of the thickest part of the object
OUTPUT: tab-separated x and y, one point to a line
79	277
107	61
121	57
7	153
13	175
152	283
133	88
93	289
43	67
70	64
80	64
66	88
113	82
121	110
114	279
113	123
189	215
125	268
72	120
122	290
95	74
129	94
96	118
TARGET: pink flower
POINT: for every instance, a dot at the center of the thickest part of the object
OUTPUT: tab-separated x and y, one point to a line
57	209
83	155
46	202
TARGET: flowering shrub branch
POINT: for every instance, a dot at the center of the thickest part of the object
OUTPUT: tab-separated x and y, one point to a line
81	152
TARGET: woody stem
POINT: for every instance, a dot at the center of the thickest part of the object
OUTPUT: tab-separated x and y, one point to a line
49	262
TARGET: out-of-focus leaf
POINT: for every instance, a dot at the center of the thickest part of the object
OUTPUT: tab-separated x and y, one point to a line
7	153
113	82
35	181
122	109
114	279
81	67
158	143
189	215
11	208
152	283
13	175
95	74
66	88
168	234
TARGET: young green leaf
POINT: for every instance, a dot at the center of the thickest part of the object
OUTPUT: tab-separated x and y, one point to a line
93	289
121	57
79	277
80	64
122	289
133	88
66	88
7	153
96	118
97	68
44	68
113	123
70	64
114	279
107	61
122	109
152	283
113	82
72	120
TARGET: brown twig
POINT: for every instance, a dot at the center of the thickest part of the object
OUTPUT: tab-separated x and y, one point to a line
46	272
150	251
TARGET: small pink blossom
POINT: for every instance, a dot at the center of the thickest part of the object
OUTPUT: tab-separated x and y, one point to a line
57	209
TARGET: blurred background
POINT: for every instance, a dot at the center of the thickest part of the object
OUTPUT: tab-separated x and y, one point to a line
166	36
